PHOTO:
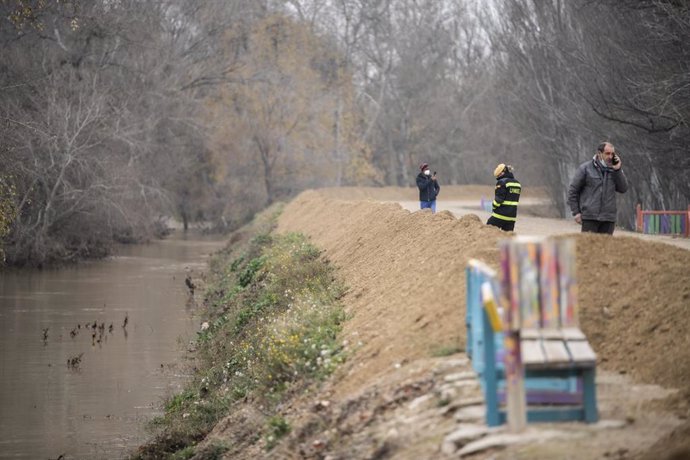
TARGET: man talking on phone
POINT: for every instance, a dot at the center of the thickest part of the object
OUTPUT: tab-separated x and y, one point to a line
592	192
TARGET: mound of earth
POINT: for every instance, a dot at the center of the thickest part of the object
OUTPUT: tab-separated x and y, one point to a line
406	274
395	396
456	192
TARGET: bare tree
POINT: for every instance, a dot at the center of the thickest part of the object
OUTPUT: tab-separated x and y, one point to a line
571	86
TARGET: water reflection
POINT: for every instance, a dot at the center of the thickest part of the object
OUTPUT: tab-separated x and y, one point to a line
88	353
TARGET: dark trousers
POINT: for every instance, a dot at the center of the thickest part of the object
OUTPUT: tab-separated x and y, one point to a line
597	226
507	225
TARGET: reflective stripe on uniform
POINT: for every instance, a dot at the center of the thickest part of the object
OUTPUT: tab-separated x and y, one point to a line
513	184
508	203
498	216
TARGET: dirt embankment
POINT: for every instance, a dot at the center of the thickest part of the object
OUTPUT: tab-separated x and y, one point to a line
407	296
398	394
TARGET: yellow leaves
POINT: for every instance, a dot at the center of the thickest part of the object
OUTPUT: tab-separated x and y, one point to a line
291	113
30	11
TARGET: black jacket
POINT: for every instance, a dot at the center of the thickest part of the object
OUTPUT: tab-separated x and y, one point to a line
592	191
506	197
428	188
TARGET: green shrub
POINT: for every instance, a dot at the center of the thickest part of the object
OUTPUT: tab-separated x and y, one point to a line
247	275
277	428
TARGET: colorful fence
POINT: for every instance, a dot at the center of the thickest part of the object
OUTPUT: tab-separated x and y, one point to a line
663	222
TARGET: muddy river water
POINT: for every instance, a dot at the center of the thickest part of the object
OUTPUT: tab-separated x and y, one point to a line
67	388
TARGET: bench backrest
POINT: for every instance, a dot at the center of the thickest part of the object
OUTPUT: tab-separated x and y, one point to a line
538	283
537	298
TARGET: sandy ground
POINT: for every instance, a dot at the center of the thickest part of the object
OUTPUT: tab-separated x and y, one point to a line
396	396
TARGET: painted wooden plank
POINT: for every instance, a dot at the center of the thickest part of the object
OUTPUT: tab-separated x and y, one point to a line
469	299
590	395
528	262
530	334
555	334
573	333
581	351
490	374
510	291
491	307
555	414
567	282
546	384
549	284
555	351
482	267
532	352
516	403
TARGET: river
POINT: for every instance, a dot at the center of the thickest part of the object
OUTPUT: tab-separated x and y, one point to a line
67	388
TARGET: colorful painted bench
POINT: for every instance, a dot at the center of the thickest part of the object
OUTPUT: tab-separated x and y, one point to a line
534	362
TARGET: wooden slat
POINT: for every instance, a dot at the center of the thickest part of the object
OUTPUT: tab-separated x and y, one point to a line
482	267
549	288
555	351
552	334
532	352
573	333
530	334
581	351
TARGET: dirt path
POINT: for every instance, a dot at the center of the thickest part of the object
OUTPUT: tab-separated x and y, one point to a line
401	395
540	226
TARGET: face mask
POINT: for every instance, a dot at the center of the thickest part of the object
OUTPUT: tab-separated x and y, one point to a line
427	173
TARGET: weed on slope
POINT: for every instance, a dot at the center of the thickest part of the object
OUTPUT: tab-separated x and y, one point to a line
272	316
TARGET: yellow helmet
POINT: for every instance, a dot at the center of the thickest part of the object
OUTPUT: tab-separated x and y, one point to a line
502	168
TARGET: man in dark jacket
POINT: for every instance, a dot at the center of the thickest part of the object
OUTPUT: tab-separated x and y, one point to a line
592	193
506	197
428	187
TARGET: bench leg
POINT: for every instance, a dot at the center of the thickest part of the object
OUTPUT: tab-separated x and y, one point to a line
493	416
589	395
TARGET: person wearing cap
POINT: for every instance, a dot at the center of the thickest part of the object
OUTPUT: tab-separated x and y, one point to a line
592	192
428	187
506	197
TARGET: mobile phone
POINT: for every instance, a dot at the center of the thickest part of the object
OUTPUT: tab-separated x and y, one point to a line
615	160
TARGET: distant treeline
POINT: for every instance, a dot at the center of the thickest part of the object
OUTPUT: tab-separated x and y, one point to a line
119	115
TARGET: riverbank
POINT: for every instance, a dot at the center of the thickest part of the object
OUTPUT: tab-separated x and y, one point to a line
271	319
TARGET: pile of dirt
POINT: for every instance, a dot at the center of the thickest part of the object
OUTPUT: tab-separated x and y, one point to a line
405	273
455	192
406	276
634	307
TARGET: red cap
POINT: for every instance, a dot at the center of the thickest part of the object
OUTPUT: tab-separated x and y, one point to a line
423	166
